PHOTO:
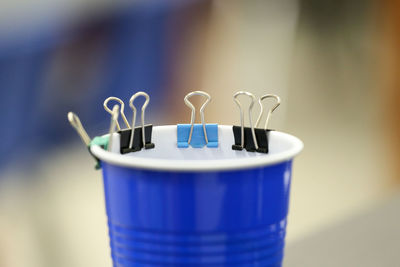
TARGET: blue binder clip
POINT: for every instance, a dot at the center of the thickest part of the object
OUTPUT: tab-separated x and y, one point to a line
197	135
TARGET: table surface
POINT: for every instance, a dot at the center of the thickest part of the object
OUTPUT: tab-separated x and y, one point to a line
370	239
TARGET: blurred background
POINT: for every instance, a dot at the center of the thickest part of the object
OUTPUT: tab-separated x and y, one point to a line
334	64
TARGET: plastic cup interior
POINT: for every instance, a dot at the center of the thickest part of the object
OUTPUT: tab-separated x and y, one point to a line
167	156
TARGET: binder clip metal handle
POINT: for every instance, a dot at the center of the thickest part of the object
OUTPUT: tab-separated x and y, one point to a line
253	99
113	123
77	125
278	102
190	105
148	145
113	98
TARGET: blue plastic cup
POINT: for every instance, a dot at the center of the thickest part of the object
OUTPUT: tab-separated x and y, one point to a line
172	206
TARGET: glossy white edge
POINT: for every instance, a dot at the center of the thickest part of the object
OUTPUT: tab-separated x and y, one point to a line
201	165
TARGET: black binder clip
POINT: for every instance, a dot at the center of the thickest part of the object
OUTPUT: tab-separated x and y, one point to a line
245	137
262	135
125	133
140	136
133	138
249	138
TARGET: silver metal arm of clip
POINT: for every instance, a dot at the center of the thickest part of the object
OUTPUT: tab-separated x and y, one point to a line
121	110
190	105
76	123
278	102
134	116
253	98
113	123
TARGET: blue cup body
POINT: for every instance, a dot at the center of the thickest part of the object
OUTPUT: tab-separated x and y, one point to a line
197	218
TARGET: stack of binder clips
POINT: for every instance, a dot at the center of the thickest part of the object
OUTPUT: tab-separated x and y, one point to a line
135	138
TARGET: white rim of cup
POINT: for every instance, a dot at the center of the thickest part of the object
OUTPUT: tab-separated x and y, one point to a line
201	165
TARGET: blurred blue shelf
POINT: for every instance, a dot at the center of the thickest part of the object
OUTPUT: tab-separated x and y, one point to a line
38	89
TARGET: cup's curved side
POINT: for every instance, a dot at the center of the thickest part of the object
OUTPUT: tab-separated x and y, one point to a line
219	218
